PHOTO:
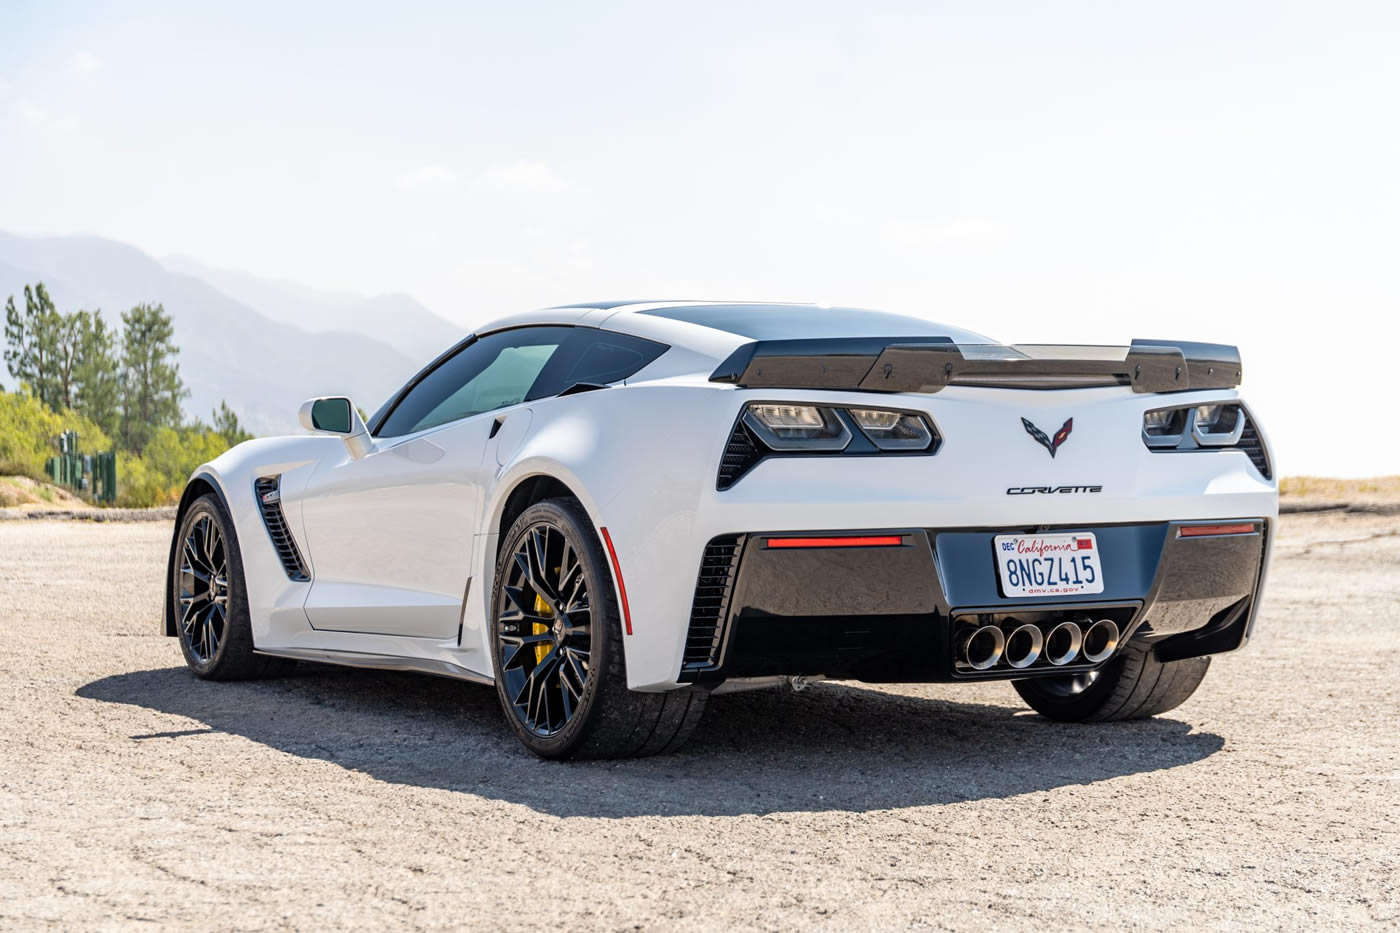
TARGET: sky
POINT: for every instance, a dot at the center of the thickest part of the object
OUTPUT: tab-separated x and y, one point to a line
1039	172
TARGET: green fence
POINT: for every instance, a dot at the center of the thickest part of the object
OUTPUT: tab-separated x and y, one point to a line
93	474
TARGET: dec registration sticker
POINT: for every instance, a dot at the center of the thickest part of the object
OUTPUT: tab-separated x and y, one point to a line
1049	565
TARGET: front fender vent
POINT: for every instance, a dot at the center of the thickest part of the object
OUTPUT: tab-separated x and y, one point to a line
709	611
268	490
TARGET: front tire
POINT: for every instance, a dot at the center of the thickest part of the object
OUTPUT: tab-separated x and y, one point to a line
209	598
557	647
1135	685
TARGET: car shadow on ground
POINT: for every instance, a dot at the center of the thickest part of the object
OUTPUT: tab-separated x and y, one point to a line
832	747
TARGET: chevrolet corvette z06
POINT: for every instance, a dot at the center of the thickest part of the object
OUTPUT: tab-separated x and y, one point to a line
613	511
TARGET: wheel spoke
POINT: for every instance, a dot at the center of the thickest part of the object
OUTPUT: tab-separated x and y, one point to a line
213	544
534	675
193	558
525	604
565	699
534	691
524	647
569	567
580	669
216	635
191	611
573	603
539	560
539	639
571	668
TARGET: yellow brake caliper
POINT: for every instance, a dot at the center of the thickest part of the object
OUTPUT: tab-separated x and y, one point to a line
540	628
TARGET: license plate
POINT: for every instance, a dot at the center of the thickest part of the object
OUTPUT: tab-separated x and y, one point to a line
1049	565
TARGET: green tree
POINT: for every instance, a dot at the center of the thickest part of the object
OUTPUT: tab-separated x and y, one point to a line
226	423
96	372
67	331
32	344
150	376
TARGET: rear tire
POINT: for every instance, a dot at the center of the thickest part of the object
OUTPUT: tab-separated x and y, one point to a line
556	636
209	598
1134	685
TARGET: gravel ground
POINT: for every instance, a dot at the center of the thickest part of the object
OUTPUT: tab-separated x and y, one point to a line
132	794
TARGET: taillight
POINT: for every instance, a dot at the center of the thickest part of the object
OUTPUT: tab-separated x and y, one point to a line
1217	425
1214	426
798	427
893	430
1165	427
773	429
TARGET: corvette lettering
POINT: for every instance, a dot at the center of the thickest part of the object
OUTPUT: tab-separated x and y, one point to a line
1050	490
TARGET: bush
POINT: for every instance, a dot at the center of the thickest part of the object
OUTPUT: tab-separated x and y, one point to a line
159	476
27	431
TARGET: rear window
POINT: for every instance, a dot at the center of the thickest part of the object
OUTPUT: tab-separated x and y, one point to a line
789	322
596	357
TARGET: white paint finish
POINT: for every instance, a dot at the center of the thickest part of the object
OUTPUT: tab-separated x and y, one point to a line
392	533
515	423
395	536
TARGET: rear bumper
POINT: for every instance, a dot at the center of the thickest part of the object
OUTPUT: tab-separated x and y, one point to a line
893	612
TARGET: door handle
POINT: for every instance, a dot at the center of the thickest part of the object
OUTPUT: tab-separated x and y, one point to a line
496	426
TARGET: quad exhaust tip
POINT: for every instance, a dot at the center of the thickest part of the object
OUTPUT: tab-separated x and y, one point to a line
983	648
1100	640
1063	643
1023	645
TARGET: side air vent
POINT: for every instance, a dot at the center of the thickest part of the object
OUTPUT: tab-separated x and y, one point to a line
710	608
268	490
1250	443
740	454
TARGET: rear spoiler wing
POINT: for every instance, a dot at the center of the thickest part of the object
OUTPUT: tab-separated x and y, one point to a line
928	364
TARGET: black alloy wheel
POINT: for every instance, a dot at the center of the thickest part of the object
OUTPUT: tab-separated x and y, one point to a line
544	629
557	646
208	599
203	589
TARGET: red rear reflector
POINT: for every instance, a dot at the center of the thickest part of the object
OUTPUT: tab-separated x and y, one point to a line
869	541
621	587
1198	531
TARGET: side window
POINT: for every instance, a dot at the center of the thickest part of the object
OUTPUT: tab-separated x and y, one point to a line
599	357
493	372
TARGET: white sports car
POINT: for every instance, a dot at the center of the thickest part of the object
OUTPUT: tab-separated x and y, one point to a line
612	511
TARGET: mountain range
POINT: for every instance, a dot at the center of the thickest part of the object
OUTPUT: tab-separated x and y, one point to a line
262	345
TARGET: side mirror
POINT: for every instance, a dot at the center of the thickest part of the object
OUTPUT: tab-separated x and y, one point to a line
336	415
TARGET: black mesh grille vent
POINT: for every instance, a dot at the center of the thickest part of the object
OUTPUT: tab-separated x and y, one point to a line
268	489
740	454
711	606
1251	444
